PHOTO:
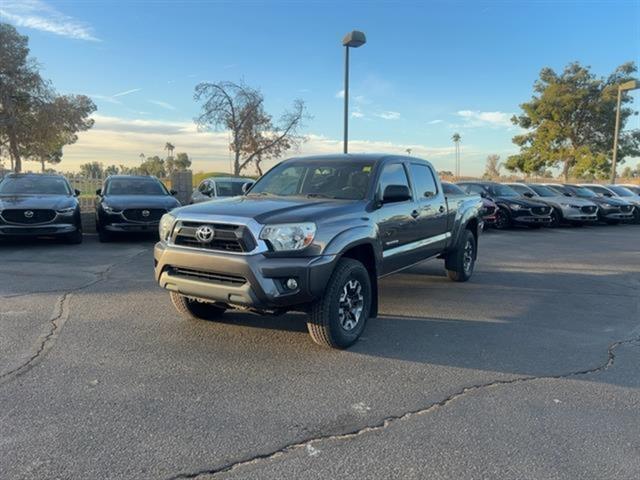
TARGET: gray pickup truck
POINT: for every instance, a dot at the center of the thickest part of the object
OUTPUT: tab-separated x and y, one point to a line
314	235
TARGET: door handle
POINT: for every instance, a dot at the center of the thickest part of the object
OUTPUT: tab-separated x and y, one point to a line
441	209
415	214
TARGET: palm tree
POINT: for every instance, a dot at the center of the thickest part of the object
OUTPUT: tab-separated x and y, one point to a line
456	141
141	157
169	147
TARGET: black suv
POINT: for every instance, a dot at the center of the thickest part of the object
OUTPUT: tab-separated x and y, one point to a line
35	205
513	208
131	203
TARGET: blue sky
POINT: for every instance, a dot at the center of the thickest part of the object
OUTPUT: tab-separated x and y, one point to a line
428	69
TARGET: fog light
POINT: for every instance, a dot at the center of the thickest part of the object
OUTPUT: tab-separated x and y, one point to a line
292	284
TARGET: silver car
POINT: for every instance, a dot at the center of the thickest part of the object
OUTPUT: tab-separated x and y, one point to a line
573	210
219	187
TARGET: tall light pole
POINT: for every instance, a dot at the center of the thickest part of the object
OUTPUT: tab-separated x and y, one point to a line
353	39
630	85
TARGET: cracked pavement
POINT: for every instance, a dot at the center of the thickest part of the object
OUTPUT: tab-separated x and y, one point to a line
528	371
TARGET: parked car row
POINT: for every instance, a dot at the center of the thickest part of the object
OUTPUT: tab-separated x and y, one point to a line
537	205
46	205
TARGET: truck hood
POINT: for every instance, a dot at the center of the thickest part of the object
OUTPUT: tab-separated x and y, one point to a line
120	202
35	202
270	210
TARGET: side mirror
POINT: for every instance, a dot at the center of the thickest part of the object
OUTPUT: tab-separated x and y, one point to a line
77	192
607	194
98	192
396	193
173	192
528	194
567	194
247	186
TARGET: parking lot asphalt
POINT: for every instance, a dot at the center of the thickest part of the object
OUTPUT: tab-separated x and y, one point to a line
528	371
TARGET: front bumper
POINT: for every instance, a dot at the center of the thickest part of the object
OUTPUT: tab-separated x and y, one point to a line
576	215
123	227
531	219
255	281
48	229
615	214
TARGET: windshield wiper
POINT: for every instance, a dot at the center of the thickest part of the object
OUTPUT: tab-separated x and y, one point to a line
317	195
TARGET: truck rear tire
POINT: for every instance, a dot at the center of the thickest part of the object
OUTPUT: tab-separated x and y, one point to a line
338	318
195	310
460	262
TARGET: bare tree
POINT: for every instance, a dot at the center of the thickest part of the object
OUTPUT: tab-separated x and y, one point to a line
493	166
254	136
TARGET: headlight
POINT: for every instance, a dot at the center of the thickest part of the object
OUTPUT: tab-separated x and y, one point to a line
514	206
166	226
66	211
109	209
289	236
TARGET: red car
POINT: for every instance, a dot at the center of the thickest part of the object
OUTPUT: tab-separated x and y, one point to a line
490	209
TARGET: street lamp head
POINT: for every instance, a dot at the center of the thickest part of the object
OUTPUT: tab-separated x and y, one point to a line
354	39
630	85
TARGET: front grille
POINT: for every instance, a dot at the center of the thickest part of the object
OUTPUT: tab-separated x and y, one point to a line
219	278
588	209
226	237
143	214
28	217
625	208
540	210
488	211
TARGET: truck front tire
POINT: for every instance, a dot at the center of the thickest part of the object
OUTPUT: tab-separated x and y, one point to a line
461	261
195	310
338	318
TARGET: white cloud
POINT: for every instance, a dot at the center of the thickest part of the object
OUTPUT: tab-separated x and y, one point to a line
435	122
164	105
475	118
388	115
38	15
127	92
340	94
357	114
115	140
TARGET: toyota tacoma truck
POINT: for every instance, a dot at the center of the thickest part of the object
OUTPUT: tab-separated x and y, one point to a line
314	235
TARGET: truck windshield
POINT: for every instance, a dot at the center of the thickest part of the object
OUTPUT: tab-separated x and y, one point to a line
34	185
333	180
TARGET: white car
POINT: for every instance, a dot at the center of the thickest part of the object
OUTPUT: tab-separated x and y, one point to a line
219	187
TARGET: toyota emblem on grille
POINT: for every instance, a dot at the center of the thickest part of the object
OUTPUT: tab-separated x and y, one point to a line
28	214
145	213
204	233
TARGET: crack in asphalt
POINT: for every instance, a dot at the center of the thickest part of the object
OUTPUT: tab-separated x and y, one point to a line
386	422
58	320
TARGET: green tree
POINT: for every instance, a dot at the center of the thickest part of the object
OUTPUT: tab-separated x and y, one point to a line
35	122
92	170
111	170
569	122
255	136
153	166
182	161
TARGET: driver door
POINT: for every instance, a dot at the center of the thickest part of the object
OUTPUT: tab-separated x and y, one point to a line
396	225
